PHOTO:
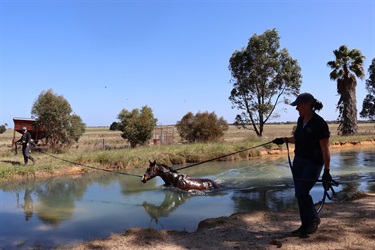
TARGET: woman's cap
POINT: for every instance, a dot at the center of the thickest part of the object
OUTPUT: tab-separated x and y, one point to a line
304	97
24	128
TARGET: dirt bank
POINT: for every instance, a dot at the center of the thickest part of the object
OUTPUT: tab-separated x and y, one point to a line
349	224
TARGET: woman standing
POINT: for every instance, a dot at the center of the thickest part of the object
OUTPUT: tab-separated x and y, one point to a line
311	139
25	140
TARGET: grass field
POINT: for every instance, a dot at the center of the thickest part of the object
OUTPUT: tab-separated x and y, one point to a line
103	148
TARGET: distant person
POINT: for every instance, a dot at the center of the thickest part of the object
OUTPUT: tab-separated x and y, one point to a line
26	142
311	139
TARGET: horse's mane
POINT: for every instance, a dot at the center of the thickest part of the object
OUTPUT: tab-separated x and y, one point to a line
170	169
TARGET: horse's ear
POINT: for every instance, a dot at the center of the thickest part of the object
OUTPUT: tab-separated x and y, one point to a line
154	162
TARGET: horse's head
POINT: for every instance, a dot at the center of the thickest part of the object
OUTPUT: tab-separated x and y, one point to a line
155	170
151	172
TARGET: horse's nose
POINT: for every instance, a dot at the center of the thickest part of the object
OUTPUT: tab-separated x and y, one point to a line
143	179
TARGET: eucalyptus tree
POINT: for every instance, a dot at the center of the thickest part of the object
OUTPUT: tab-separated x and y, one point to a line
263	75
137	125
202	127
347	66
54	113
368	106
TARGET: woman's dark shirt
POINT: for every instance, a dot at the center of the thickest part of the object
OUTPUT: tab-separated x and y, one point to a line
307	138
25	138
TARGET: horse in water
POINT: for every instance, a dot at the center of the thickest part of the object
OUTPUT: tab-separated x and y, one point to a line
172	178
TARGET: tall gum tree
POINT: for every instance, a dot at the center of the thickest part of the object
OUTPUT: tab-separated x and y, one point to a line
348	65
368	105
263	76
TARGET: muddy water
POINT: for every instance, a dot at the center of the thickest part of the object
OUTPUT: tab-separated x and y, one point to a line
81	208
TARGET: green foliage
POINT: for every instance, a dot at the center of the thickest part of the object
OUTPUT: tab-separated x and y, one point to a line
348	65
53	113
114	126
262	77
103	158
368	106
3	128
137	125
203	127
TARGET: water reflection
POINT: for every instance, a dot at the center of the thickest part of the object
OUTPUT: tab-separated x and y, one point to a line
56	200
28	205
172	200
346	162
271	198
354	170
72	209
371	181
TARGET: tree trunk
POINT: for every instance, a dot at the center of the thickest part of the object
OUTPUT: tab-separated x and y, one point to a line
348	121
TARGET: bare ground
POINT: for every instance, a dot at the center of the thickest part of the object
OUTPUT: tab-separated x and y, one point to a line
349	224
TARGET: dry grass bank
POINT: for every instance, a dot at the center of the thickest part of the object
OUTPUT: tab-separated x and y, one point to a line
101	148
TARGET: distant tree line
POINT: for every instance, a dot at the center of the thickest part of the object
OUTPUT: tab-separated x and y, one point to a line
263	76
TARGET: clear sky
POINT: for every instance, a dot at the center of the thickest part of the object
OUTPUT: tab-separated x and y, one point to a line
171	55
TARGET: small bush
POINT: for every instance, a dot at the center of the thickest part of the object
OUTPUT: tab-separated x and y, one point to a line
203	127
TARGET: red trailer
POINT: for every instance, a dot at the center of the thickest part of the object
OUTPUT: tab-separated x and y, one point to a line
37	132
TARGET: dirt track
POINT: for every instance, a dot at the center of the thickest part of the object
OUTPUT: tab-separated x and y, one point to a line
345	225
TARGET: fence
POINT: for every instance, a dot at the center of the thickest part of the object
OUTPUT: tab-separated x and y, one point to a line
164	135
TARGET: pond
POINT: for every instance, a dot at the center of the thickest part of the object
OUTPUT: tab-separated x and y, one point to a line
73	209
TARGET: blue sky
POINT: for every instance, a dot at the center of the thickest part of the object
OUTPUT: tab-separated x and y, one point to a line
172	56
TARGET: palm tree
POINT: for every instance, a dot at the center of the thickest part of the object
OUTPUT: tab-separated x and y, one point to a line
347	66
